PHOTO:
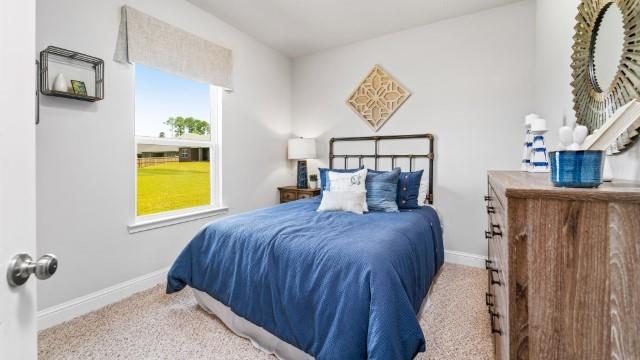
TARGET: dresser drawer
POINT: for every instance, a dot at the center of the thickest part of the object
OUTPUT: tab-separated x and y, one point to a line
291	193
286	196
498	321
497	272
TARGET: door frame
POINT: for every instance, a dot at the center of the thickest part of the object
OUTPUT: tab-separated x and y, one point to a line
18	330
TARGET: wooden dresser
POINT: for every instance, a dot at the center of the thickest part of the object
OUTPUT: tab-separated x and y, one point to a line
563	268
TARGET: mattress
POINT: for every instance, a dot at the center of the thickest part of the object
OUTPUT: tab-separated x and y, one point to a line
334	285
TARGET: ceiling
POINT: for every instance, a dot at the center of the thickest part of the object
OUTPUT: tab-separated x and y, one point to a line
301	27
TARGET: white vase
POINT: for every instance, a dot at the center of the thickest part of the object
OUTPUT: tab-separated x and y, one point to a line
607	171
60	83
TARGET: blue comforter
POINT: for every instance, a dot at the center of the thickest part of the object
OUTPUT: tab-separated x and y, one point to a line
335	285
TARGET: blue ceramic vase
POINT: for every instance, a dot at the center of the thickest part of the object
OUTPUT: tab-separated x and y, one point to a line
582	169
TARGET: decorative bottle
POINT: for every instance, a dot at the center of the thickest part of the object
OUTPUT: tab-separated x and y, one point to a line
539	156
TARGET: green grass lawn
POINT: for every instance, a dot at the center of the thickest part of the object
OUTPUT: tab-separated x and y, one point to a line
173	186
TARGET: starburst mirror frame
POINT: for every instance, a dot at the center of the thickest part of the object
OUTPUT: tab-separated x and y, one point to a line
377	97
593	106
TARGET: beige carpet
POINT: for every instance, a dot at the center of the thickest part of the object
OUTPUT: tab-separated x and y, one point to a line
152	325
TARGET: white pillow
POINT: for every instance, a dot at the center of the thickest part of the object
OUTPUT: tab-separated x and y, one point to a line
422	193
350	201
349	182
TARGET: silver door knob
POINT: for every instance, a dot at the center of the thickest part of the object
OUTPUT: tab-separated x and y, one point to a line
22	266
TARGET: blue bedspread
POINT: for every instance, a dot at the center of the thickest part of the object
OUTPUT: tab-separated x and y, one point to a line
336	285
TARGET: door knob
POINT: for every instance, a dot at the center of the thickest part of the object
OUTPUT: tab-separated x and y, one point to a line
22	266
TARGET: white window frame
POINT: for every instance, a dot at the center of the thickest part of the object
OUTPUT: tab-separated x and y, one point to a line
216	205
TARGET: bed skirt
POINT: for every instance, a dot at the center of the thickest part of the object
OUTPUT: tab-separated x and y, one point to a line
259	337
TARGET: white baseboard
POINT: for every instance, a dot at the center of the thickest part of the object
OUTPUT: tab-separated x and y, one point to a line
94	301
463	258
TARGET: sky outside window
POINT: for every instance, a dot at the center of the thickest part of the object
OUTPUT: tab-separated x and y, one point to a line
160	95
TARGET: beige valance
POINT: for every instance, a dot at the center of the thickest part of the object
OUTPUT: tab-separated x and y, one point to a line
145	39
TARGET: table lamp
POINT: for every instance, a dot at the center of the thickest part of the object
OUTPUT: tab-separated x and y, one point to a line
302	149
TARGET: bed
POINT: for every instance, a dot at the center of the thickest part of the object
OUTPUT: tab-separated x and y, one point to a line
304	284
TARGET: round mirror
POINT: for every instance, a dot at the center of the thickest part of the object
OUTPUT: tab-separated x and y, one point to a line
604	64
607	45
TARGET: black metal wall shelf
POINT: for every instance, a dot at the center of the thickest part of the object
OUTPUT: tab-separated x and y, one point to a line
73	58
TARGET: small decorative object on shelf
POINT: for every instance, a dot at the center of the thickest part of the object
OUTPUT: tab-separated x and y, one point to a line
78	63
313	180
539	159
79	88
60	83
528	143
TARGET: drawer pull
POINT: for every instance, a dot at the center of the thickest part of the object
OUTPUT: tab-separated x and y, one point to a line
493	281
487	235
487	198
494	328
491	210
487	299
487	264
495	232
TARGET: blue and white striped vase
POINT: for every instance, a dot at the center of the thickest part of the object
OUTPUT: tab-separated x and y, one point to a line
539	157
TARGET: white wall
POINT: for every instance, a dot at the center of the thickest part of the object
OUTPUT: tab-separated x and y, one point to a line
472	83
85	151
553	99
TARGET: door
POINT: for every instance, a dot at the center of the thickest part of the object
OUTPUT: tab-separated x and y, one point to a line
18	339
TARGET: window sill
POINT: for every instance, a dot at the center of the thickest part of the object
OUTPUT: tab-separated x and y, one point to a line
169	220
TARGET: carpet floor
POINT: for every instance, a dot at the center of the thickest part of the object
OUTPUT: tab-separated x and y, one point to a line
153	325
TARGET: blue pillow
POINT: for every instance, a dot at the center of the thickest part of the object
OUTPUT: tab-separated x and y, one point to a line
381	190
408	190
324	179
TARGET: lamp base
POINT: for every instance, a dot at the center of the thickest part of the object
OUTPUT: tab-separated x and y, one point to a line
302	183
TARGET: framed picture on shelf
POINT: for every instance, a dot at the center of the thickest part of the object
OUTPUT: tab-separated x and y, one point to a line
78	87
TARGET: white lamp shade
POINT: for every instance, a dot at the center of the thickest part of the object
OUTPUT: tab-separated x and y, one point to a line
301	149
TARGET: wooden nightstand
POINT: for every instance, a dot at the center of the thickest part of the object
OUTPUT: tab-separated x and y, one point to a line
291	193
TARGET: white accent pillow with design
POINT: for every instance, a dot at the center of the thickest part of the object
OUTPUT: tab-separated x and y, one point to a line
353	182
350	201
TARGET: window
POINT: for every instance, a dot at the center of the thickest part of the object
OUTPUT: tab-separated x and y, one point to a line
176	134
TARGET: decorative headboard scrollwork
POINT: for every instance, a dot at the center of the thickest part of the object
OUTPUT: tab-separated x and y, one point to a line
377	155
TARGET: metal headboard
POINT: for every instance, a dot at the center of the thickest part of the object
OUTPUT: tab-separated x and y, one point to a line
376	155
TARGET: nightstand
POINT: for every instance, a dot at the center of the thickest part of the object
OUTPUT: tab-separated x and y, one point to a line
291	193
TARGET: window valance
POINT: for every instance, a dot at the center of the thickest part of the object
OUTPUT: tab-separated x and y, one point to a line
145	39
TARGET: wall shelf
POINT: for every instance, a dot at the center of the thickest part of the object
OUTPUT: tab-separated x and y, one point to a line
53	54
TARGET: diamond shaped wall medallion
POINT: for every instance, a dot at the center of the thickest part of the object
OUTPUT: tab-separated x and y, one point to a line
377	97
